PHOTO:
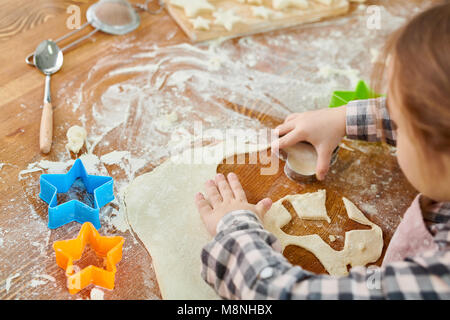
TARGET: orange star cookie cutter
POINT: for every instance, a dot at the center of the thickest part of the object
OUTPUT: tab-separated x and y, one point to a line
68	251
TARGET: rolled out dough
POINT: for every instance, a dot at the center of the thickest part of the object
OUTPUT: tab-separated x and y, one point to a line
360	248
161	211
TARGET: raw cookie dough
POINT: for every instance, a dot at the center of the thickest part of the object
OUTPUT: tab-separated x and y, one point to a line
360	248
193	7
200	23
76	137
310	206
262	12
302	158
226	18
161	211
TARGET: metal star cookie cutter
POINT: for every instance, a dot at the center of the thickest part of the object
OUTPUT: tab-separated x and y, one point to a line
298	177
74	210
68	251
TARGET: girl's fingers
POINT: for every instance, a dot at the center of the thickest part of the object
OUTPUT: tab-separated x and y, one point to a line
263	206
236	186
290	117
224	187
323	161
284	128
203	206
288	140
212	193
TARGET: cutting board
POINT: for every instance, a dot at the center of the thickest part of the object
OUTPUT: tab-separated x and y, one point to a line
289	17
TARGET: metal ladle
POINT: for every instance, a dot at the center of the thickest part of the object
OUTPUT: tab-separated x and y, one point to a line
48	58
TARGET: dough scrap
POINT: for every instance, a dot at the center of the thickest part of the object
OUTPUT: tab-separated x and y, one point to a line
76	137
360	248
310	206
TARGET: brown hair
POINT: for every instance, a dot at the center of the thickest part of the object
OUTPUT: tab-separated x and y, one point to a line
421	74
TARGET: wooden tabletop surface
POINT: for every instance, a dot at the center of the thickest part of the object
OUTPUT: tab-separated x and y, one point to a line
27	263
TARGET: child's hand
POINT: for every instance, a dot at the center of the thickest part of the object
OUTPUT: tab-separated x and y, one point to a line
324	129
224	196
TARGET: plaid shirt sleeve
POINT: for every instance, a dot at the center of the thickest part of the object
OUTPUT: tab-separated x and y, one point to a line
369	120
244	261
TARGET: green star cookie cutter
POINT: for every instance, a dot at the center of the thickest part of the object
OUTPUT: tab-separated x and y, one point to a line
362	92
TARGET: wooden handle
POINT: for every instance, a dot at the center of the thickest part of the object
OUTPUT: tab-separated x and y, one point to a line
46	133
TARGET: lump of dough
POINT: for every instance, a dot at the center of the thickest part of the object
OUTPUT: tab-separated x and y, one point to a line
76	137
302	158
310	206
200	23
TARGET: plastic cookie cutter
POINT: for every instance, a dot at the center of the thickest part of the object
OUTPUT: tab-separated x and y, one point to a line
68	251
74	210
362	92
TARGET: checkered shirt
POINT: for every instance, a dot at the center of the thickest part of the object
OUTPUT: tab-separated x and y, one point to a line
244	261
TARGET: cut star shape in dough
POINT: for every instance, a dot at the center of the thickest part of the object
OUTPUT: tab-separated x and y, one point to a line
310	206
200	23
262	12
360	248
226	18
283	4
193	7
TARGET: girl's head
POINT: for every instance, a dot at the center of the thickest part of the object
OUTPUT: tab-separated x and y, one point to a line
418	100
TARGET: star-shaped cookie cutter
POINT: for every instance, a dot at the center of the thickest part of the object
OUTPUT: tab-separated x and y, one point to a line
362	92
68	251
58	215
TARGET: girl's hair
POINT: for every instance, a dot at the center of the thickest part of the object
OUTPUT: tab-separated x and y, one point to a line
421	54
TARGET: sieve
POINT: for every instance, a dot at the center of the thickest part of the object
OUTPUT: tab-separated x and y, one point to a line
116	17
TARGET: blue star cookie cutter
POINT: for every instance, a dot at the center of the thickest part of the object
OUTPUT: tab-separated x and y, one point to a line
58	215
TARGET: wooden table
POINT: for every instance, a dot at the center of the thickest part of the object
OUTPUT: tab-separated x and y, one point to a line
367	175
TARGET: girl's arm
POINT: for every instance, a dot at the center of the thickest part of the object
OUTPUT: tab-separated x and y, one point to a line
369	120
243	261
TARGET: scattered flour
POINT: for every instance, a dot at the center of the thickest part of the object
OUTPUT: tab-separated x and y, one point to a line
97	294
9	281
